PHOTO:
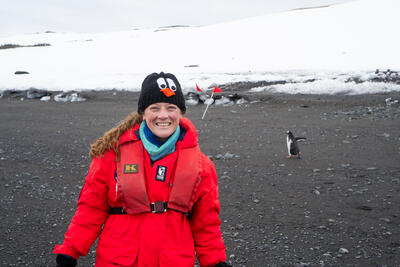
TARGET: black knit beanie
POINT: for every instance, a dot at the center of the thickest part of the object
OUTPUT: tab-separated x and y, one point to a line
161	87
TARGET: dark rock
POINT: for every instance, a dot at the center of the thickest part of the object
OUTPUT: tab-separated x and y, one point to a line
36	93
18	72
12	93
363	207
8	46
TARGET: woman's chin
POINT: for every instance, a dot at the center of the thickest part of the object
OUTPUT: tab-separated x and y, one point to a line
163	134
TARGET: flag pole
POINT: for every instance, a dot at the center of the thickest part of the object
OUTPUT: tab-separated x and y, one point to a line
209	103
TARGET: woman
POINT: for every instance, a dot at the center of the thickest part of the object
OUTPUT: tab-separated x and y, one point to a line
150	195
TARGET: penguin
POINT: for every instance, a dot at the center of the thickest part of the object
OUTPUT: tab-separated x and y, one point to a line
292	146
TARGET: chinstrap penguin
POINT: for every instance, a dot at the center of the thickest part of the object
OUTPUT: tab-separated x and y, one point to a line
292	146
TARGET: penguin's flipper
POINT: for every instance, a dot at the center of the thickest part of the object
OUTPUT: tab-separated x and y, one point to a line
300	138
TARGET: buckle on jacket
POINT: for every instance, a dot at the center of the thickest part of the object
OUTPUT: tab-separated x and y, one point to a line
159	207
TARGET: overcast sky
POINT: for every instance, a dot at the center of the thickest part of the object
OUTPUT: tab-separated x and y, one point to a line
27	16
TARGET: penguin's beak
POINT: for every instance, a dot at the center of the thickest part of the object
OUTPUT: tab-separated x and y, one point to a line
167	92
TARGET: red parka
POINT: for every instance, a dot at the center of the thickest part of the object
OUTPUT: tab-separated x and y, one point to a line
146	239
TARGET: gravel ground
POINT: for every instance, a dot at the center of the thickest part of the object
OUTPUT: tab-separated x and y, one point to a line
336	206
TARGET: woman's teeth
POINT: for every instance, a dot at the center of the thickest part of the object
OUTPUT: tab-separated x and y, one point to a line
162	123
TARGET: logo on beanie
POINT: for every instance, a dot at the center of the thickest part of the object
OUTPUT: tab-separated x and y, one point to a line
167	86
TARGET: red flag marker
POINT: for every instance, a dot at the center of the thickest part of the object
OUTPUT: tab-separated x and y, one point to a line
217	90
198	88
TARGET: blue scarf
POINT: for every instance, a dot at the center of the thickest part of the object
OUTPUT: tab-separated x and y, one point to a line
154	147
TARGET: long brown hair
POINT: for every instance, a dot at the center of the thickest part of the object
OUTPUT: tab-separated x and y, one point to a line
111	138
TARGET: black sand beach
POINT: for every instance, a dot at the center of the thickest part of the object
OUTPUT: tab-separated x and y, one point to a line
339	205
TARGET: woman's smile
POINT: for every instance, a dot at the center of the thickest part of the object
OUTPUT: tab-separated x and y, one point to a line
163	124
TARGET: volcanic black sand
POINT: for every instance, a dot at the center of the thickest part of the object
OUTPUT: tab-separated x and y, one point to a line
339	205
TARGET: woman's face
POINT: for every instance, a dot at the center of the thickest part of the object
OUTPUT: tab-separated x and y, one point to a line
162	119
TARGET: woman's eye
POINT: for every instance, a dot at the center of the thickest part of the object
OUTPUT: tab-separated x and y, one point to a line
161	83
171	108
172	85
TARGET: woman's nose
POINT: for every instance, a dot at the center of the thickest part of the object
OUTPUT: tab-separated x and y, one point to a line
163	113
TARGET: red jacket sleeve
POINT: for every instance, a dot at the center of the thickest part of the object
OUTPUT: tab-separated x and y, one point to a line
205	222
91	213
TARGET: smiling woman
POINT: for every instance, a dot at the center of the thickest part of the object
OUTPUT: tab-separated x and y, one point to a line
151	195
162	119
